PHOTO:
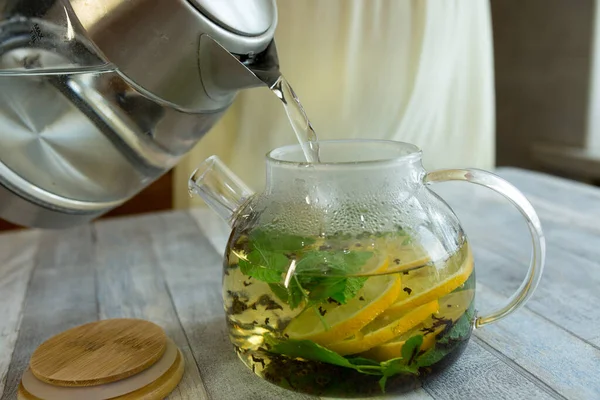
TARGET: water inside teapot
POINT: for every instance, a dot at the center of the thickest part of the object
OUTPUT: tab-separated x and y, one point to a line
298	119
348	314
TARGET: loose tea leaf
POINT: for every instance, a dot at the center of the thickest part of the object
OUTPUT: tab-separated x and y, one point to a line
457	333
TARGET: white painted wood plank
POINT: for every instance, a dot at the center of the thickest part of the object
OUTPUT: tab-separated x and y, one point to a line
61	295
567	365
131	285
492	208
579	219
567	293
567	193
214	228
576	242
557	299
478	374
419	394
17	256
563	201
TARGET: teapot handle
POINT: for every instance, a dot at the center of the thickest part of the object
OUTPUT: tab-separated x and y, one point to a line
499	185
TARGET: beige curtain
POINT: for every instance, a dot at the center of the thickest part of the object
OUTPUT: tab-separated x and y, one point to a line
418	71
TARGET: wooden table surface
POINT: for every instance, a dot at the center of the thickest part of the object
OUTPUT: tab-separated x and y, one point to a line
166	268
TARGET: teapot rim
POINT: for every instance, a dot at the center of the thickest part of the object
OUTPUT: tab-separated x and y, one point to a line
407	152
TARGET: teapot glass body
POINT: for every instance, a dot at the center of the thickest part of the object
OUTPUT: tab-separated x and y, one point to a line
349	277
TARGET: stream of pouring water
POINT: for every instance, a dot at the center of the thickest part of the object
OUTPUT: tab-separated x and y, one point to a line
300	123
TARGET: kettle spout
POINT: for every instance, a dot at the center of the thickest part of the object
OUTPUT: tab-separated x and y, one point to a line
222	190
265	65
224	73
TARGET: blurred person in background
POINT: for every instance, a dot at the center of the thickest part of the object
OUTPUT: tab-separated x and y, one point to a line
418	71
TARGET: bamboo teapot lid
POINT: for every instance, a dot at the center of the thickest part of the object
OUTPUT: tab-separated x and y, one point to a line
110	359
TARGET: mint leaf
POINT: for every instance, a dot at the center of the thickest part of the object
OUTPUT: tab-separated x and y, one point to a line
297	294
362	361
280	291
307	350
353	285
459	331
432	356
259	272
411	348
354	260
264	265
271	240
405	364
396	366
292	295
270	256
366	366
316	261
268	259
339	288
324	288
333	262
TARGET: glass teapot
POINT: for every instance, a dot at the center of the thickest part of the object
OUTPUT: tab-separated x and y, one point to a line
351	277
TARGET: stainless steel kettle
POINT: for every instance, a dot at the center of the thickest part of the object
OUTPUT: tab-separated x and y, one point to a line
100	98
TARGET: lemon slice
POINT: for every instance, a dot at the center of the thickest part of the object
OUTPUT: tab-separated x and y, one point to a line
404	257
384	328
377	264
393	349
377	294
420	287
452	307
397	264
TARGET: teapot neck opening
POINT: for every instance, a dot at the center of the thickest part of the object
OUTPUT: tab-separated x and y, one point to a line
347	160
341	154
353	152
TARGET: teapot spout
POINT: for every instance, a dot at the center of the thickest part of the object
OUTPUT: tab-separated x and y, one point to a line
222	190
224	73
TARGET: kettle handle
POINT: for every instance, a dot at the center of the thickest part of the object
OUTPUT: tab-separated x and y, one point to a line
499	185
